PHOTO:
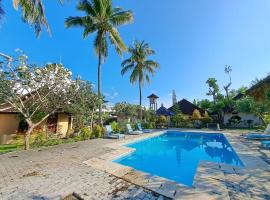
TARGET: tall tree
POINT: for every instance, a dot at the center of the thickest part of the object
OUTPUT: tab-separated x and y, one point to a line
33	13
228	70
102	19
35	92
139	65
84	106
213	88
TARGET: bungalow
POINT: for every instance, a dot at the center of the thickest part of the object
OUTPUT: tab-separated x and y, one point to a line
184	106
258	91
11	124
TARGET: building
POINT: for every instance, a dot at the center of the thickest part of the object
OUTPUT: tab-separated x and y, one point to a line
185	107
11	124
258	91
153	101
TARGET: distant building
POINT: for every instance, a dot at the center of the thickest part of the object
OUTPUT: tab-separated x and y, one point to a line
164	111
153	101
185	107
174	99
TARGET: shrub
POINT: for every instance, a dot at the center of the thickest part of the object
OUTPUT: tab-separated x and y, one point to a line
97	132
115	127
196	115
206	120
162	119
178	119
44	139
85	133
266	118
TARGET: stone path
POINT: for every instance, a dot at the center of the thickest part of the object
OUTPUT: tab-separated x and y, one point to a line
55	172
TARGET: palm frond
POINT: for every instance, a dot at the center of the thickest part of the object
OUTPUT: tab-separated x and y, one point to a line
1	10
74	21
86	6
127	68
121	18
33	13
117	41
126	62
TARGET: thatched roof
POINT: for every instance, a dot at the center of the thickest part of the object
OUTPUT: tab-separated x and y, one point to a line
186	107
258	90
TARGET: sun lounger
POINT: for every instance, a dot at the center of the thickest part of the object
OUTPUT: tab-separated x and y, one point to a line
112	135
266	144
130	131
139	127
259	136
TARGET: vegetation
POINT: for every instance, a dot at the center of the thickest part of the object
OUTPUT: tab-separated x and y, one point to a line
140	66
35	92
84	106
33	13
101	18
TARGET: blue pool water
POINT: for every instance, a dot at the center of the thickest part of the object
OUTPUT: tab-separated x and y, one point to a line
175	155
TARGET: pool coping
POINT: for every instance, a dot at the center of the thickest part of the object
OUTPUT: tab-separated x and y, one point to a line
209	181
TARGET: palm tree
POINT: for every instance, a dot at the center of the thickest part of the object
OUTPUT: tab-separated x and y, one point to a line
33	12
139	65
101	18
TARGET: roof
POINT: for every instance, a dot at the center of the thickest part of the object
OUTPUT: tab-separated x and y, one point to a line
153	96
164	111
186	107
255	87
259	84
7	108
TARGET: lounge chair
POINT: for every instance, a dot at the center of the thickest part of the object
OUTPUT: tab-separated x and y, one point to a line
130	131
109	133
266	144
139	127
259	136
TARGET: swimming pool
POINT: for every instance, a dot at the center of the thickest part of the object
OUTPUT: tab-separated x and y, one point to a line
176	155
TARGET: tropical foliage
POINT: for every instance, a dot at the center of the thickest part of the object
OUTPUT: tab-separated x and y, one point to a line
140	66
36	92
84	106
101	18
33	13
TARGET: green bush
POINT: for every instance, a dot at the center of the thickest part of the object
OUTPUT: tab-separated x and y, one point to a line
115	127
43	139
97	132
85	133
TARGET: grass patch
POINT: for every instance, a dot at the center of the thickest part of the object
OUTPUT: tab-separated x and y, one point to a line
5	148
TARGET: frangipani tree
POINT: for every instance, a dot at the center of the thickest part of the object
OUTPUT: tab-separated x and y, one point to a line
35	92
84	105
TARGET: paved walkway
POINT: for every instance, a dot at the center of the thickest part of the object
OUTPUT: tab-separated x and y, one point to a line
55	172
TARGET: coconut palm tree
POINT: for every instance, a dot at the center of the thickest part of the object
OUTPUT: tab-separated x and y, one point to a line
102	19
33	13
139	65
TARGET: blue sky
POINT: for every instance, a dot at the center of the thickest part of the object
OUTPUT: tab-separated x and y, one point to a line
193	40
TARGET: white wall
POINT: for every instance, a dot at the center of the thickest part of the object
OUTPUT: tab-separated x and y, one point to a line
244	118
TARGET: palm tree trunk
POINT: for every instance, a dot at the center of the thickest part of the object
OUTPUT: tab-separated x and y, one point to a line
140	88
99	86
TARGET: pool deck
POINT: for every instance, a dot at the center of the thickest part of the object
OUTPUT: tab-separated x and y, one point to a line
212	180
86	168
